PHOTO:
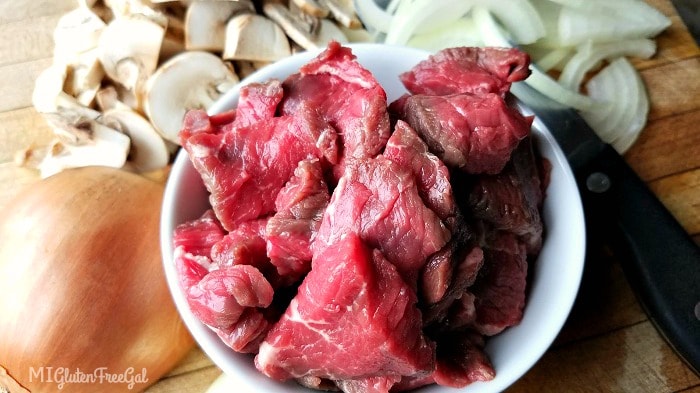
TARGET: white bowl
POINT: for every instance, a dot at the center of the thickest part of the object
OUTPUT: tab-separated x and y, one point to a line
555	275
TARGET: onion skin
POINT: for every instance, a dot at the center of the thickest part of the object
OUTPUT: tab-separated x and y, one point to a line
82	283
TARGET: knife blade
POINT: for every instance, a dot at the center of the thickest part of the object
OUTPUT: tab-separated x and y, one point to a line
660	260
689	11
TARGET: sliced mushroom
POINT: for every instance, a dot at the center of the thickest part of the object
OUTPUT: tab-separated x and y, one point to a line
312	7
147	150
108	98
107	148
48	86
127	8
329	31
189	80
71	126
84	77
254	37
97	145
129	48
299	30
77	31
344	12
205	23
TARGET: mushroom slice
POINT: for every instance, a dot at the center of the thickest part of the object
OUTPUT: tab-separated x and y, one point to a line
329	31
298	29
254	37
189	80
205	23
126	8
104	146
72	125
147	151
344	12
312	7
77	31
108	98
84	77
129	48
48	87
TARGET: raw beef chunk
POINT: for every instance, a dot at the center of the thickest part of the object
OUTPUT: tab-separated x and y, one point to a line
352	318
198	236
468	70
460	361
379	200
407	149
257	102
300	206
474	133
226	297
244	168
368	385
347	96
511	200
500	287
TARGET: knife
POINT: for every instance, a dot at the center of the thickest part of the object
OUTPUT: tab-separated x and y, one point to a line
660	260
689	11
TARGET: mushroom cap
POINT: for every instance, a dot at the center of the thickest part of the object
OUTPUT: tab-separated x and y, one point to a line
129	48
76	31
256	38
205	23
147	150
190	80
105	146
48	87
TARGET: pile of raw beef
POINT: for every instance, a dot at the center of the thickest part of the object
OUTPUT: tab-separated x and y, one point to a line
359	246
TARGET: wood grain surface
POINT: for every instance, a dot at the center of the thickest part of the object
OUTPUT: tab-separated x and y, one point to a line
607	345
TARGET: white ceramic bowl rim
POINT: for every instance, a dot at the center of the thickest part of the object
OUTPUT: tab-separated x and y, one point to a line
555	276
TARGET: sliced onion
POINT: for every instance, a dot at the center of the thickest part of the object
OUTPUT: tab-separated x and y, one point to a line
623	117
462	32
375	18
590	55
604	21
419	16
554	58
520	19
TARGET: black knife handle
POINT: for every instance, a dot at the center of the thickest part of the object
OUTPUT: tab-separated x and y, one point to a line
660	260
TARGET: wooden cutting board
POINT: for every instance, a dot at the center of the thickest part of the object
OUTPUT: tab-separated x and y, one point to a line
608	343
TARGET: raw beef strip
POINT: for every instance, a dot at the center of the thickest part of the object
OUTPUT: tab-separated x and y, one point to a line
500	287
300	206
474	133
244	168
198	122
257	102
405	148
436	276
379	200
460	361
222	295
245	245
464	275
247	333
381	384
512	199
352	318
197	237
347	96
468	70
